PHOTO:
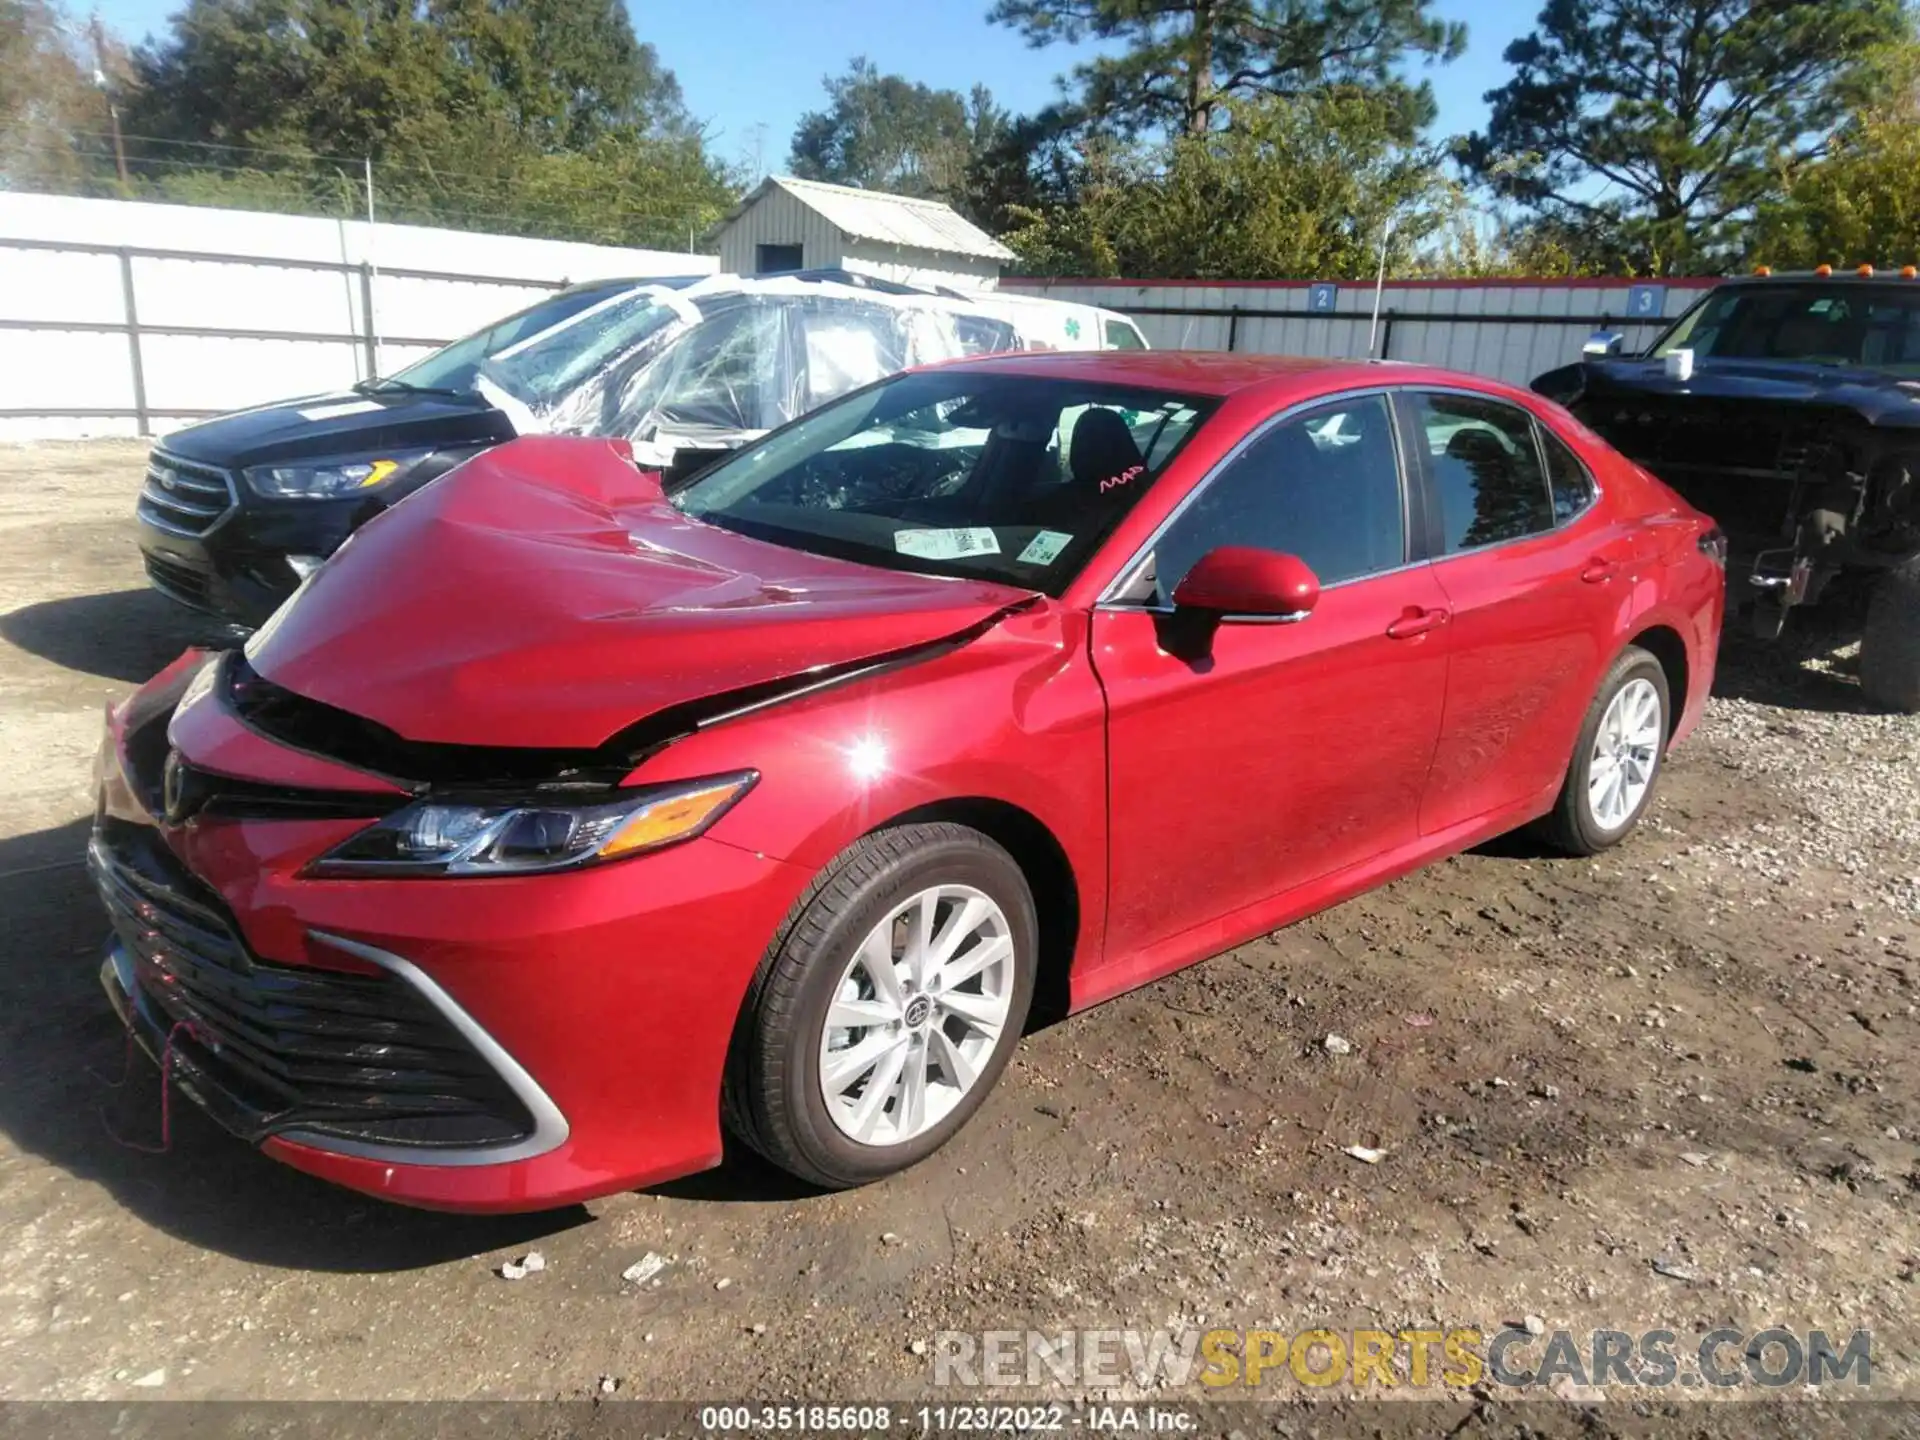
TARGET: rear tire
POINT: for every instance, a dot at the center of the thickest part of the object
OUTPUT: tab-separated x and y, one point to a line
1617	760
841	982
1890	648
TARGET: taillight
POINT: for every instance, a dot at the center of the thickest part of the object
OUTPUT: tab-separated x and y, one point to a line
1713	545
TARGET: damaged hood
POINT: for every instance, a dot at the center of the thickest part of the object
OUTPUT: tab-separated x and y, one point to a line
546	594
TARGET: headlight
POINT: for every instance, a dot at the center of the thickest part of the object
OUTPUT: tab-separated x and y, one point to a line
330	479
433	837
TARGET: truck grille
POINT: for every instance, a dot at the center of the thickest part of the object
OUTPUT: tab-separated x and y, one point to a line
185	498
360	1056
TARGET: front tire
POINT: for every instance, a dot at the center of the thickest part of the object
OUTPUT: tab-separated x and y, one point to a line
1890	648
887	1007
1617	759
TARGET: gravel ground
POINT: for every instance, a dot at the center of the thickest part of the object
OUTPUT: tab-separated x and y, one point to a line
1673	1087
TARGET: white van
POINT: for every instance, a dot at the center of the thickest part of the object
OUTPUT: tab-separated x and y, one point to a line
1044	324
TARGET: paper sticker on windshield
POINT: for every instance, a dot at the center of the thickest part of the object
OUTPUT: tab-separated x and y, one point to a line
1045	548
947	544
344	407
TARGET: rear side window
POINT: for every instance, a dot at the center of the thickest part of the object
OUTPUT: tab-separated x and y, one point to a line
1488	484
1122	336
1573	487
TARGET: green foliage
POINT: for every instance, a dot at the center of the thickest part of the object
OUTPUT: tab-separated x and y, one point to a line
1180	64
1648	132
53	118
1292	187
1860	203
1472	246
538	116
883	132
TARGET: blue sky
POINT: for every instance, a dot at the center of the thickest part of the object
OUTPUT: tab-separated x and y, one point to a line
758	63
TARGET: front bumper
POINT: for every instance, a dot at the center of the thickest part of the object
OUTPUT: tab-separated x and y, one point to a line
238	571
576	1025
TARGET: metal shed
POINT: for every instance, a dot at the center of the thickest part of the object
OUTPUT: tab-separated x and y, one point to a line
787	224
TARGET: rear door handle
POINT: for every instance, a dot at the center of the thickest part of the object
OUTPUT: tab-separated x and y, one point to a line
1416	622
1600	570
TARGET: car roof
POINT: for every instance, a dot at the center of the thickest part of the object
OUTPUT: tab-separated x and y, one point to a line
1219	372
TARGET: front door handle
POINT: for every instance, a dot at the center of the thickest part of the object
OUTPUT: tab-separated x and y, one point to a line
1416	622
1600	570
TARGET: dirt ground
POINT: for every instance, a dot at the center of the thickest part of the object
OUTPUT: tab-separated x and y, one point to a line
1676	1087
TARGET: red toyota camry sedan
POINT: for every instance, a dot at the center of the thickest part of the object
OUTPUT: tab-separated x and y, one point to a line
559	823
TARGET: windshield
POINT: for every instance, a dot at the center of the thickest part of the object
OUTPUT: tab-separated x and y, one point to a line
454	366
1875	326
550	365
1001	477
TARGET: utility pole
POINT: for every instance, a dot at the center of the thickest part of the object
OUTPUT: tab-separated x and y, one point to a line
373	272
101	84
1379	284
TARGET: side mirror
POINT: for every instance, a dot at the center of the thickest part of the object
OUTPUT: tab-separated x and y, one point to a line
1604	344
1239	582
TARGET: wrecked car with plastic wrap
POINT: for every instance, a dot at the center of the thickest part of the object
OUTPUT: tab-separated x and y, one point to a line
235	511
1788	407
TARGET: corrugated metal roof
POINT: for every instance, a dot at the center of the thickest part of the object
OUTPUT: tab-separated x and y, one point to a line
890	219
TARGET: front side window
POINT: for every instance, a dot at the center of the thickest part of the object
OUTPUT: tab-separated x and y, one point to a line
722	375
1323	485
1122	336
1001	477
847	346
1487	477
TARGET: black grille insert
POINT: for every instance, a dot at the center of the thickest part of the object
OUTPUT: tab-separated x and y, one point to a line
359	1056
183	497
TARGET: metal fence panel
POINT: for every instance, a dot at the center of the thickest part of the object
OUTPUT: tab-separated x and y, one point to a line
1509	330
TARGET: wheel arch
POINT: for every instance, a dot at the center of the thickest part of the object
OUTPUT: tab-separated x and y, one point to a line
1667	646
1050	877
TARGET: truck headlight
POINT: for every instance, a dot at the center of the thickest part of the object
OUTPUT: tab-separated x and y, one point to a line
330	479
433	837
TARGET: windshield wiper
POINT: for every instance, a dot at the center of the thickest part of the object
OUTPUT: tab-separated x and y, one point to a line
404	387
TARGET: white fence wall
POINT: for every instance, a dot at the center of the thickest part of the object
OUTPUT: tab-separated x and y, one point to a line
121	318
1511	330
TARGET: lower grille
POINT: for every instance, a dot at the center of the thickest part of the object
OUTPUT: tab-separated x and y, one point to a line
186	583
363	1057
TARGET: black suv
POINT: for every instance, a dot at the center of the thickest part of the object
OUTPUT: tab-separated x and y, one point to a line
235	512
1788	408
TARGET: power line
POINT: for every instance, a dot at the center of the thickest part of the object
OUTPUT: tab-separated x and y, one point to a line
311	156
501	200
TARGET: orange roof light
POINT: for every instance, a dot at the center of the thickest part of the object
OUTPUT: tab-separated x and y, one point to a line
1763	270
1864	272
1823	271
1908	272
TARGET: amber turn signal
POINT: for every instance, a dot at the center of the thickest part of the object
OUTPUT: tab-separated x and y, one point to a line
675	817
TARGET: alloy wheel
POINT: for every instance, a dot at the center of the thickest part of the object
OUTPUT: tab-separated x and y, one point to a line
917	1014
1626	752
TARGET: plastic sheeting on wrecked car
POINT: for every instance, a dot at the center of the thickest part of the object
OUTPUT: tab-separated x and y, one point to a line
721	362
